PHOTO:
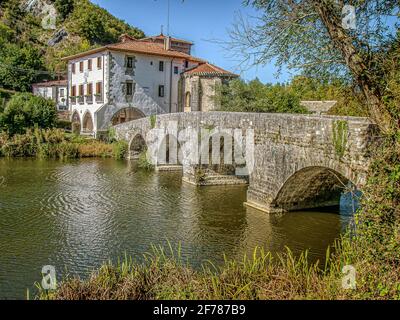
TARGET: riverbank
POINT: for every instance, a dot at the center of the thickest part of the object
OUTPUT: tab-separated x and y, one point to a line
57	144
370	251
164	276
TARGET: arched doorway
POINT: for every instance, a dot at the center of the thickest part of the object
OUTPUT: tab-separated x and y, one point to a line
187	102
126	114
313	187
76	122
87	123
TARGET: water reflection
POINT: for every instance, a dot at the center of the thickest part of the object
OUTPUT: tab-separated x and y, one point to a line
78	214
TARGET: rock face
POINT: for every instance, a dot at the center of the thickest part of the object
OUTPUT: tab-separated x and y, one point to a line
292	162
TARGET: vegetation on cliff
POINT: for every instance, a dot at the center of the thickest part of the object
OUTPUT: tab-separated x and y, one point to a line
26	55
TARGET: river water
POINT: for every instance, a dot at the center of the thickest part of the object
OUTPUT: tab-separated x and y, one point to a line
75	215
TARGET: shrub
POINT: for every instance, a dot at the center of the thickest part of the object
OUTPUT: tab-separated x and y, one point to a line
25	110
144	163
120	150
64	124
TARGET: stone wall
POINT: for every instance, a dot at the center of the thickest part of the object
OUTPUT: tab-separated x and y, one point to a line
299	160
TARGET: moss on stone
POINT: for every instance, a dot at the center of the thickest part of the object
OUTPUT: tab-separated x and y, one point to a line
153	119
340	131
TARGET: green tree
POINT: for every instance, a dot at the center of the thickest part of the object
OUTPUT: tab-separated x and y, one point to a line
64	7
254	96
25	110
310	35
19	66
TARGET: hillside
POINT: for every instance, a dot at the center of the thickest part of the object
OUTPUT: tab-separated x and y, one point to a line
30	51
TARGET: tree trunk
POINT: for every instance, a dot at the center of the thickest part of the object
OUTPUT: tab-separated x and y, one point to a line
357	66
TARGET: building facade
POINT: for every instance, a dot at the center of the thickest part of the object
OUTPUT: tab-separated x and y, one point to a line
54	90
136	78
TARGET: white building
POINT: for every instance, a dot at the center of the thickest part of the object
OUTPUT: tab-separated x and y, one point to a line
131	79
55	90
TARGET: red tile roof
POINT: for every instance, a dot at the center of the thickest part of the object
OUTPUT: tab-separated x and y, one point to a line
138	46
209	69
51	83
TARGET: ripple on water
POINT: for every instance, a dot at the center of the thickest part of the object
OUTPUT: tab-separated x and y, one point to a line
76	215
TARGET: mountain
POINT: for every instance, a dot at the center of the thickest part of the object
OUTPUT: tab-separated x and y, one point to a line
35	34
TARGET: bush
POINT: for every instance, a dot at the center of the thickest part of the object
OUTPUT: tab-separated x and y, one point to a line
64	124
120	150
239	96
24	111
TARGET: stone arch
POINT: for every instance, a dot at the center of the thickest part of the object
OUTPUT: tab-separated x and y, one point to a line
126	114
311	187
137	145
188	97
87	123
76	122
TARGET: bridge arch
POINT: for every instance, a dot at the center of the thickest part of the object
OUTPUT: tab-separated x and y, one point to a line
137	145
126	114
311	187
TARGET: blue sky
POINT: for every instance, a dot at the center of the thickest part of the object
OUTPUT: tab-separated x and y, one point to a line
196	20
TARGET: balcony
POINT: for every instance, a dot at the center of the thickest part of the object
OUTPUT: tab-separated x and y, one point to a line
89	99
98	98
81	99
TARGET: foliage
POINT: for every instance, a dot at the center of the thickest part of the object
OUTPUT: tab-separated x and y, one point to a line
153	119
340	131
64	124
120	150
24	43
18	65
25	110
56	144
144	162
309	35
98	25
64	7
257	97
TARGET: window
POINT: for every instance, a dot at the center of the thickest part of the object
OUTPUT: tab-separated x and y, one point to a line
73	91
129	62
89	64
81	66
89	89
161	66
99	60
73	67
186	64
176	70
129	88
62	93
161	91
99	91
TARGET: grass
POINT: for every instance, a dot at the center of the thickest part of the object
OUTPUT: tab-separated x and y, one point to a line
56	144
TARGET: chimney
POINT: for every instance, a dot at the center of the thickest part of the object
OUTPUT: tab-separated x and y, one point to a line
167	43
126	38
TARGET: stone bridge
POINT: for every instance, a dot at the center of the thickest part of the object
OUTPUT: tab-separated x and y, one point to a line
298	161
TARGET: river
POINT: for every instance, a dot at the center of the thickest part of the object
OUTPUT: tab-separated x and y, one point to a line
75	215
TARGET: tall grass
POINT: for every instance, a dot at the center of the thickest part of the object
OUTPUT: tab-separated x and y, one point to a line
56	144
